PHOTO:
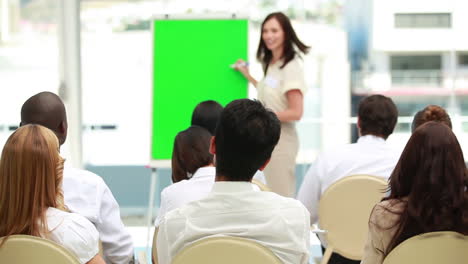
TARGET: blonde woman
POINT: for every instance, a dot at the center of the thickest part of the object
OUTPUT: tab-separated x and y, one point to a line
31	197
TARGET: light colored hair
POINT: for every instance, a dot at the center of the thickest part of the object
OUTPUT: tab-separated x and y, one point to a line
31	173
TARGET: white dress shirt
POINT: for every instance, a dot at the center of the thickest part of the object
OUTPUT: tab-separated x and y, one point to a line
370	155
180	193
236	209
193	189
74	232
87	194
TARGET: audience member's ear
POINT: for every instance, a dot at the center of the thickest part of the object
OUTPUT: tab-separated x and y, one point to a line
212	146
264	165
62	127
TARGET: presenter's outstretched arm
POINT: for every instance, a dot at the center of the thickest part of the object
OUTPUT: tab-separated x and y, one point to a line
295	107
243	68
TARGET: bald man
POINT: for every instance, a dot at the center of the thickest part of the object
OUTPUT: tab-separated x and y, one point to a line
85	193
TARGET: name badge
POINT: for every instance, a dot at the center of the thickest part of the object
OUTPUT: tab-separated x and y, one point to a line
271	82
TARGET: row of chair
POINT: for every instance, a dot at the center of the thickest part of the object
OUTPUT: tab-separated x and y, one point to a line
429	248
344	211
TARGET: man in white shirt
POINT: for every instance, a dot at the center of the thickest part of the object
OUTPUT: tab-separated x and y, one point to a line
244	140
377	116
85	193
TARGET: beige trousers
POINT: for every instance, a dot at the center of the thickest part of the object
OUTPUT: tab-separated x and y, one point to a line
280	172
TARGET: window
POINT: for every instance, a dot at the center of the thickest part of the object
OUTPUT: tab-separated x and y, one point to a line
416	69
423	20
463	60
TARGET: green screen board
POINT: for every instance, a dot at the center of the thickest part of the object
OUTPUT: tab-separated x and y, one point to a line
191	63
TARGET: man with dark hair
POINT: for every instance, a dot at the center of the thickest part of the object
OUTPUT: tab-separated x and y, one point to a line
85	193
377	117
244	140
206	114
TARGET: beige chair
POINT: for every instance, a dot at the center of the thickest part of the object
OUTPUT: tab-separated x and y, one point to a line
226	250
431	248
261	185
21	249
154	251
344	211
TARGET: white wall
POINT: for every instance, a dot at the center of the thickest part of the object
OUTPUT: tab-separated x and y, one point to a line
388	38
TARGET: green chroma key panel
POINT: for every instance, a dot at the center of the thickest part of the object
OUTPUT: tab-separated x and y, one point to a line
191	63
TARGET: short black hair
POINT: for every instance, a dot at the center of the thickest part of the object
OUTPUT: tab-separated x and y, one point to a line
377	116
245	137
46	109
206	114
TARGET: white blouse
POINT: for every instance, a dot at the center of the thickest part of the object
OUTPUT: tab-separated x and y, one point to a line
278	81
74	232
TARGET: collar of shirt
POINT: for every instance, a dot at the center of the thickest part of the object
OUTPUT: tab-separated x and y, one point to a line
370	138
204	172
231	187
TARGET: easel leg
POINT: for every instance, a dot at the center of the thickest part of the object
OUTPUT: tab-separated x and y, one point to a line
149	223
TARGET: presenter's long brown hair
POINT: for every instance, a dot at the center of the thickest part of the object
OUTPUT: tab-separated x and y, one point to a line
430	180
264	55
31	172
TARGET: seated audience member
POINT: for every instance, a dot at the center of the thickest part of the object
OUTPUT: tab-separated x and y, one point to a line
193	172
206	114
31	198
428	192
85	193
431	113
377	116
244	140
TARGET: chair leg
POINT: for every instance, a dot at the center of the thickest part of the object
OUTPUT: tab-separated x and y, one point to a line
327	255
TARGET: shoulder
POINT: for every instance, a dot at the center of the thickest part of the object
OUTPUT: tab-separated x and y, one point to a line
386	213
296	64
82	176
337	153
75	232
175	190
282	202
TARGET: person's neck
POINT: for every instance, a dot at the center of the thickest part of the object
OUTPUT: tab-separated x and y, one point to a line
222	178
380	136
277	55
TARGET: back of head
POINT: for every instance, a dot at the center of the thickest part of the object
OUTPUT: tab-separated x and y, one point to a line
206	114
46	109
377	116
245	137
30	180
191	152
431	113
430	178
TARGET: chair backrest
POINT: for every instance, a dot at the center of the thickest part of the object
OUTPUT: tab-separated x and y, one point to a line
261	185
20	249
344	211
431	248
226	250
154	250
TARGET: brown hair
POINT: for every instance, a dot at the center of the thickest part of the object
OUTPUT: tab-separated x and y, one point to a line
264	55
377	116
430	180
31	172
431	113
191	152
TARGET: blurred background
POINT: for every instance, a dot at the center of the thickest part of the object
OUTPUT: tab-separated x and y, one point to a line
97	56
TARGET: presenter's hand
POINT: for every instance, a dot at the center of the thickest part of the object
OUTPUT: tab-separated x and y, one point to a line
242	67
